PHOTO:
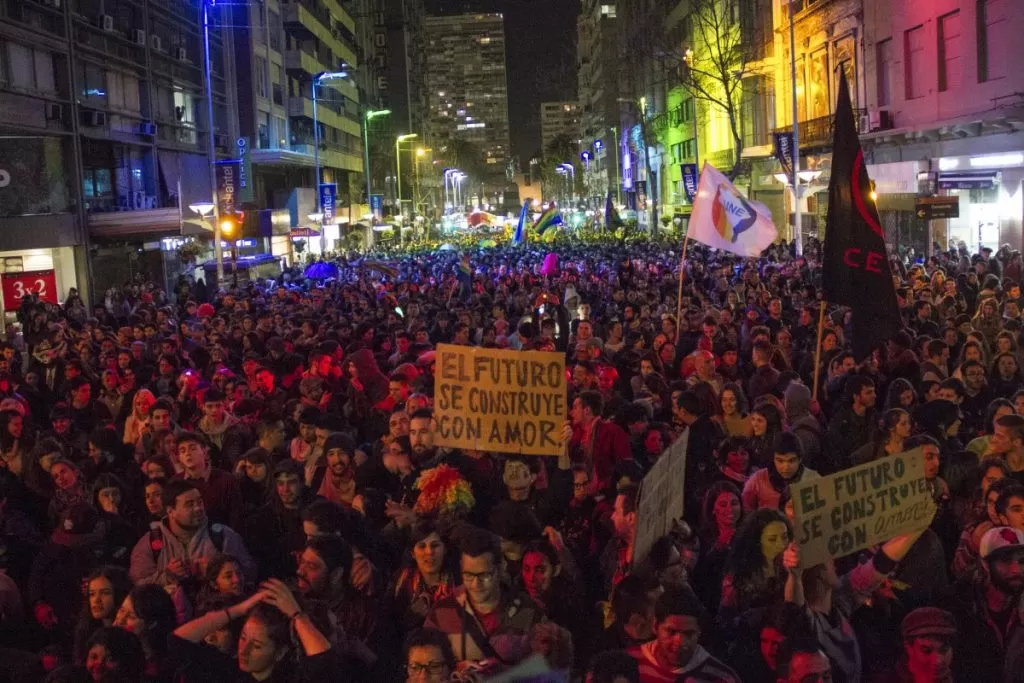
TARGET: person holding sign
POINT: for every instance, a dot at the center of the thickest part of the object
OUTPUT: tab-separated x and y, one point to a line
829	600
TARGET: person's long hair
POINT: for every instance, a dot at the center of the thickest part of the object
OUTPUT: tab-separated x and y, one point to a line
122	585
746	560
884	429
708	525
154	606
742	404
896	390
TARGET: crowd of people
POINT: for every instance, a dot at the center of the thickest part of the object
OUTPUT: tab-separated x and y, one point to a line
248	487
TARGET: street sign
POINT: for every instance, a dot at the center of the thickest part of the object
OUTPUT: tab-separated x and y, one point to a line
932	208
227	186
245	170
377	205
691	178
328	197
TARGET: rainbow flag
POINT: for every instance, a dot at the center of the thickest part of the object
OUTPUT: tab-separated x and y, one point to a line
548	219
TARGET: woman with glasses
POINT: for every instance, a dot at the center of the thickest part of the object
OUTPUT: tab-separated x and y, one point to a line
428	657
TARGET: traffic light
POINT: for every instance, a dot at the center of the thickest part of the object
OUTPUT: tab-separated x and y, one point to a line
229	224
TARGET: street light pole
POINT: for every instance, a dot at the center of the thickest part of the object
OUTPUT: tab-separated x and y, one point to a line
798	237
211	149
367	117
323	75
398	167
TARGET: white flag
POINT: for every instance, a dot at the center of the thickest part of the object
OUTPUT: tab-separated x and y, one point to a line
724	219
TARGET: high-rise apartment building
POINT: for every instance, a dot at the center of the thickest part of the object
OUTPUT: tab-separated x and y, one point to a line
104	122
465	84
597	87
281	45
559	119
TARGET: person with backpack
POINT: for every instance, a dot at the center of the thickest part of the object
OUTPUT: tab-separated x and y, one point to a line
177	551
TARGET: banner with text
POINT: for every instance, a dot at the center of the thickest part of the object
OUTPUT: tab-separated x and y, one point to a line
500	401
691	178
857	508
328	201
227	172
661	497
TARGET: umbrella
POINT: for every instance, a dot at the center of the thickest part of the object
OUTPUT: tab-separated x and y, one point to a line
446	247
321	270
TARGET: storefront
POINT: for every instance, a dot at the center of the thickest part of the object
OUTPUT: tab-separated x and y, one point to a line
990	207
46	273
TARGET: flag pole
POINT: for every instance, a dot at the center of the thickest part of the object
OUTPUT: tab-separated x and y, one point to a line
679	296
817	351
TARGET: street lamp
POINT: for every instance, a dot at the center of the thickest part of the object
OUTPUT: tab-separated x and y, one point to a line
457	179
398	167
570	171
368	116
322	76
417	191
211	150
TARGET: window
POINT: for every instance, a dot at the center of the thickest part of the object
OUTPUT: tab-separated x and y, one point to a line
274	29
993	39
122	91
913	46
689	148
883	84
688	111
608	11
29	69
261	76
677	152
949	52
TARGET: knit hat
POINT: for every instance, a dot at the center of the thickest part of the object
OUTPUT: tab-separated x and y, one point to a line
1000	538
927	621
289	467
206	311
342	441
798	400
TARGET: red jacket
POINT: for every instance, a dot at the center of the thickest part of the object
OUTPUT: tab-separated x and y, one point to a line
608	446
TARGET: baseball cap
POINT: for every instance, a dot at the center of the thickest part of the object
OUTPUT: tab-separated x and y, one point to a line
927	621
1000	538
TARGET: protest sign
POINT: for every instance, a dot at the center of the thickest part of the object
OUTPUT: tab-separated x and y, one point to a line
500	401
661	497
854	509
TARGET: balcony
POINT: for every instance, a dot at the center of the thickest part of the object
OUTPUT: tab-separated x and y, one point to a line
309	21
301	154
134	222
300	62
303	107
817	133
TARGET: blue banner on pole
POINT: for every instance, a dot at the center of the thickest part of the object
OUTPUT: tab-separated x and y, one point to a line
784	151
377	205
690	179
328	199
227	186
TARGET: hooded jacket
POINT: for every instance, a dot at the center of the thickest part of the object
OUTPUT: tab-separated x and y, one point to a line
158	547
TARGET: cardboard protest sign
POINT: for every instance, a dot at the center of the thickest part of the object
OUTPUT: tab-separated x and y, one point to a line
857	508
500	401
661	497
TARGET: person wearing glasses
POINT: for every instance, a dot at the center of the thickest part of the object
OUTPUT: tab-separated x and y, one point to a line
428	657
486	622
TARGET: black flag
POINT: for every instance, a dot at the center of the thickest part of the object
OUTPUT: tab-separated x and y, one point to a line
855	266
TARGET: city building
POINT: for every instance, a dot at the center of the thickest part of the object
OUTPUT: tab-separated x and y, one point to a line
598	92
280	46
104	119
466	88
943	115
559	119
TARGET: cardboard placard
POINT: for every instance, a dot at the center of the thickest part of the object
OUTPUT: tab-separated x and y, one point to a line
661	497
857	508
500	401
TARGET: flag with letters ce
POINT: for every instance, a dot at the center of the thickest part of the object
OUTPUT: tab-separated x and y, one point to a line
855	266
724	219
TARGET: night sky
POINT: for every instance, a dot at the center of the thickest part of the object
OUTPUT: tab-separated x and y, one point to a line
540	38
